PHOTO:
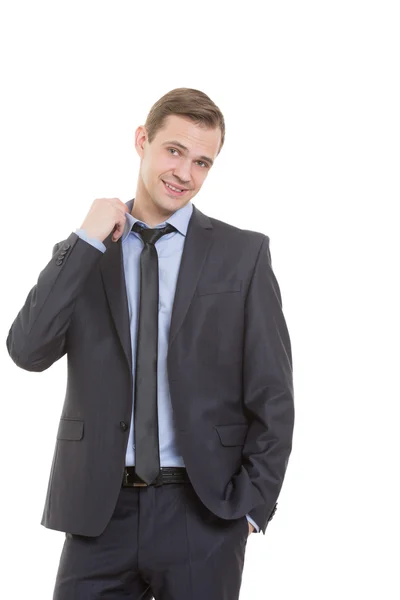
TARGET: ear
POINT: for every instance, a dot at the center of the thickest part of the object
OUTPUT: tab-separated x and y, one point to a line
140	139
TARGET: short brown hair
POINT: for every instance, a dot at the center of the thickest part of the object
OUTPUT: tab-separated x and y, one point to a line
187	102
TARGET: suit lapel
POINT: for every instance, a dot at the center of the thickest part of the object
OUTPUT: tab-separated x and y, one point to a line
195	251
112	271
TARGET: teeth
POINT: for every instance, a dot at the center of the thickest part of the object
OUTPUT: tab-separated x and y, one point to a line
172	188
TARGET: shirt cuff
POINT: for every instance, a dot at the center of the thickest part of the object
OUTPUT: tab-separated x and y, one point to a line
250	520
92	241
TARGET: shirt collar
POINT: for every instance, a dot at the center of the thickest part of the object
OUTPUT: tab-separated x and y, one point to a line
179	219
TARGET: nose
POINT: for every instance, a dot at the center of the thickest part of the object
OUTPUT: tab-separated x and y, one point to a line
182	172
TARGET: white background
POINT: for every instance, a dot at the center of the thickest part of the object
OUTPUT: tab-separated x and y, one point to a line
310	95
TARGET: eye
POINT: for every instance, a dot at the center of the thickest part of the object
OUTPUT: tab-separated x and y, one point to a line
205	165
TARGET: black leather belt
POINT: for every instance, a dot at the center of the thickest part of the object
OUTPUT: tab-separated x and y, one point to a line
166	475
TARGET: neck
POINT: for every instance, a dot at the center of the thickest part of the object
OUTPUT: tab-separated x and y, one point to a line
146	210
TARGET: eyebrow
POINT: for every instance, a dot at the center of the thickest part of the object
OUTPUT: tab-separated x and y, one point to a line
175	143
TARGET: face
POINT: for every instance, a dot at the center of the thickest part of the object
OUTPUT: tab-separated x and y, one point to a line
181	154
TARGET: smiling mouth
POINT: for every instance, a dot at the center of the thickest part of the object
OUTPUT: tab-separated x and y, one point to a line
174	192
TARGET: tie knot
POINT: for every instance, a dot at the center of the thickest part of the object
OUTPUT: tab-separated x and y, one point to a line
150	236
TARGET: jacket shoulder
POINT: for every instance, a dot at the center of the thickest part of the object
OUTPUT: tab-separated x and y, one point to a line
238	234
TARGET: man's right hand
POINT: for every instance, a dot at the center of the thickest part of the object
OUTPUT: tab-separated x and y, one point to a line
105	215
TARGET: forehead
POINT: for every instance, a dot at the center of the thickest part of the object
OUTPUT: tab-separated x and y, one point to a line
196	138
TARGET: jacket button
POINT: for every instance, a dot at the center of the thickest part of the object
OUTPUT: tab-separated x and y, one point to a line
59	261
123	425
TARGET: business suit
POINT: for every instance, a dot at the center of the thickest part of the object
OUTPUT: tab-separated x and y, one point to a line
229	373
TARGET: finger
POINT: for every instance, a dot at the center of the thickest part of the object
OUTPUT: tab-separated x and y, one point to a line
119	229
116	231
121	205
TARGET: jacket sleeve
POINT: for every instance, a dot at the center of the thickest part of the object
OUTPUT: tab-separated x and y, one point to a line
268	387
37	337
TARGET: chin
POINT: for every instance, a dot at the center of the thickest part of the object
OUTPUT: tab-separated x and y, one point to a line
170	203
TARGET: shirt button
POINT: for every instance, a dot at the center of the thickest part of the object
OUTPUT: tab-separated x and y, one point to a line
123	425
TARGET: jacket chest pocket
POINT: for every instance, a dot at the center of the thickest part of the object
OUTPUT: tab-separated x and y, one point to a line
219	314
218	287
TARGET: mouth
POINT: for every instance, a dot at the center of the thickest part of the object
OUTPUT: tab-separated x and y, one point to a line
173	192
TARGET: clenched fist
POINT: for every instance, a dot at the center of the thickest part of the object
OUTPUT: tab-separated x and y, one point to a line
104	216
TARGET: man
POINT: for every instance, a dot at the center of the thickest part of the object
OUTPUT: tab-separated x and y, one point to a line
177	422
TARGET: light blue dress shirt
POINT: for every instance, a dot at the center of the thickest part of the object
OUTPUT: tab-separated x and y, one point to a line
169	250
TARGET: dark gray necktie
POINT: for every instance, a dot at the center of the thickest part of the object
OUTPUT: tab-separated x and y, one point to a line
147	448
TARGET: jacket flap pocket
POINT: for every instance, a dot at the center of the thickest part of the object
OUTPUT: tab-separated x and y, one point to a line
70	429
232	435
219	287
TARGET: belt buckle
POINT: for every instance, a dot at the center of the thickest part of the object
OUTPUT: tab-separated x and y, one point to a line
157	482
128	483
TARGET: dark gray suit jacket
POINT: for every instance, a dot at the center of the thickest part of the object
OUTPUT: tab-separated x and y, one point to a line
229	370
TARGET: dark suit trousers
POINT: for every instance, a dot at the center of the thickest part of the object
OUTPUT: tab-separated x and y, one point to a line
162	543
